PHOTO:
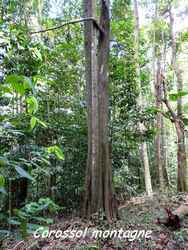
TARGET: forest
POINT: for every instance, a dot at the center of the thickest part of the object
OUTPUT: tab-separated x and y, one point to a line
93	125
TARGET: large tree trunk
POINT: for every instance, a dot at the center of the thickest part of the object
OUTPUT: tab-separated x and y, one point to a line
106	190
143	145
99	192
181	148
92	105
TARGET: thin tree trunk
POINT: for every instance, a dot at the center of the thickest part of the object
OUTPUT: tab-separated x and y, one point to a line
158	92
143	145
158	139
164	153
147	175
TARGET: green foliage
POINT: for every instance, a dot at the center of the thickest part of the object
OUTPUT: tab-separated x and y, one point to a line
31	213
2	181
32	105
57	151
23	173
33	122
175	96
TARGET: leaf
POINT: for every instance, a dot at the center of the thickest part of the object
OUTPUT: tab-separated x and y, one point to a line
185	121
32	105
14	222
33	227
2	190
41	123
175	96
2	181
23	173
4	232
3	162
36	53
152	110
57	151
19	83
16	82
28	84
33	122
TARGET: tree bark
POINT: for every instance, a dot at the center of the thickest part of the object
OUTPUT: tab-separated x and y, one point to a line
143	145
91	199
181	157
99	192
181	148
158	139
164	152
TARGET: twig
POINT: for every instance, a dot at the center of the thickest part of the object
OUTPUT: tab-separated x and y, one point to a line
71	22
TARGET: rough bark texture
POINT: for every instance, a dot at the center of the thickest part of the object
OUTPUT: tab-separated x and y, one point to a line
143	145
99	194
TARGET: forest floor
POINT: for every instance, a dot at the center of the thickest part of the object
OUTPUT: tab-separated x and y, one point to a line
139	214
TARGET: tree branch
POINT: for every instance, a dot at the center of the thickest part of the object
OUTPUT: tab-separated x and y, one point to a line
71	22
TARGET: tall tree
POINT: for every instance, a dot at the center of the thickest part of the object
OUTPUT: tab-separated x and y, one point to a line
99	191
178	121
158	58
143	145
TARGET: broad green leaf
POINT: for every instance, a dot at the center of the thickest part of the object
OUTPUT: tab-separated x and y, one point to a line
33	122
57	151
32	104
23	173
17	83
